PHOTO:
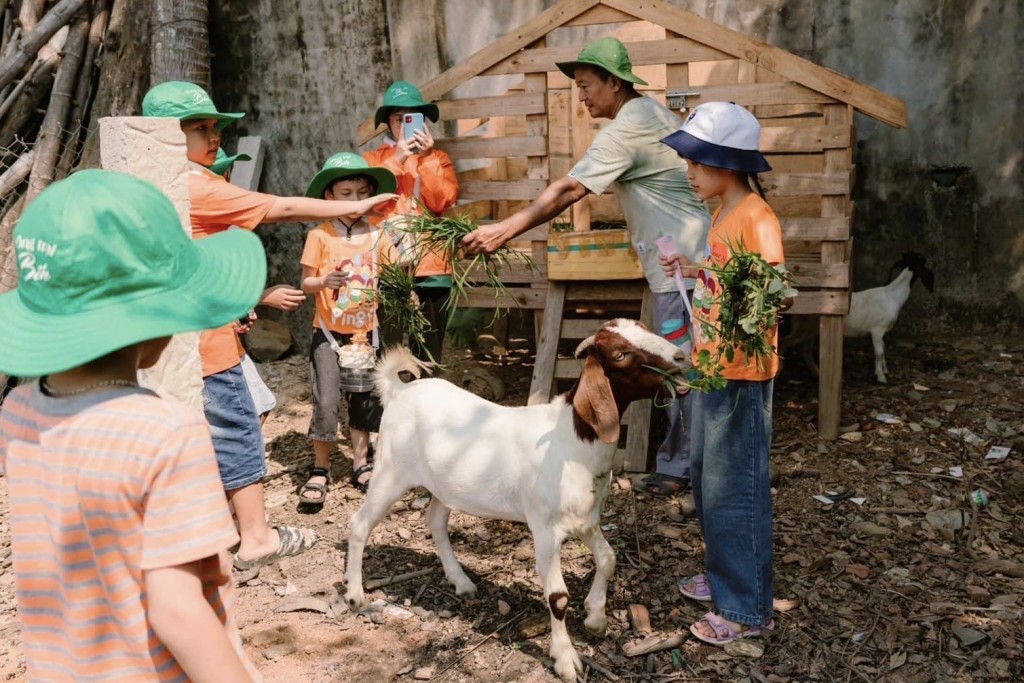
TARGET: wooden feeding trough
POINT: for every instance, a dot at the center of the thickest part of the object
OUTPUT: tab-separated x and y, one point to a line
509	146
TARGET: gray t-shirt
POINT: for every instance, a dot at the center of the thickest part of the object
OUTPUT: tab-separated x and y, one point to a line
649	180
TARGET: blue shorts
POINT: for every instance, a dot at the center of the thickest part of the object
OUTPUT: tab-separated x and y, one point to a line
235	429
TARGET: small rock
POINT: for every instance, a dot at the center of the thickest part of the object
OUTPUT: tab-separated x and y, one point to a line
445	614
914	396
873	530
424	673
687	506
948	404
404	533
946	375
404	670
483	534
978	595
504	608
420	503
267	340
914	427
994	388
623	483
852	437
969	636
931	423
276	651
524	552
744	648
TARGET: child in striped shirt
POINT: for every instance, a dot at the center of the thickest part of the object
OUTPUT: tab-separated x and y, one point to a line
119	524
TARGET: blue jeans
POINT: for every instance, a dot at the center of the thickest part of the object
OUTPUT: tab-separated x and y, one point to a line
234	429
673	458
732	433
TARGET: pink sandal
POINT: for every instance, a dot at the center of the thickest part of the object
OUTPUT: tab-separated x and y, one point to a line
696	588
725	633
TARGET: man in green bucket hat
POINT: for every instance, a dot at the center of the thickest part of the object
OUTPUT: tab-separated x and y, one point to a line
656	199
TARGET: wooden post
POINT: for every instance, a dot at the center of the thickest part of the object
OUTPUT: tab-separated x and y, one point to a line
547	345
247	174
830	383
638	415
579	121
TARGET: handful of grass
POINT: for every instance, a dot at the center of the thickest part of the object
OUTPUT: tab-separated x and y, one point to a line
751	293
443	235
398	304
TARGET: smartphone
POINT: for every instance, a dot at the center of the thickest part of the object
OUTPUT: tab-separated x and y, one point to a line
411	122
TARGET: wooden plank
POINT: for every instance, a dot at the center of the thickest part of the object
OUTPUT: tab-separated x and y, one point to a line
537	124
641	53
518	272
547	345
830	382
580	329
796	184
472	190
866	99
512	297
776	139
494	105
621	290
567	368
579	133
796	163
809	274
754	94
512	41
816	229
677	76
484	148
829	303
602	14
638	415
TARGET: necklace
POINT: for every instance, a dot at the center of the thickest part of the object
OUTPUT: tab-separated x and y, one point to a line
89	387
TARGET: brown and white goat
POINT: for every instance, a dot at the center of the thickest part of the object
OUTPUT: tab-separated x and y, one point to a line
546	465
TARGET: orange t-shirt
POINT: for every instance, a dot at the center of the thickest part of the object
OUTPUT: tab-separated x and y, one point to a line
216	205
103	488
350	308
438	190
754	226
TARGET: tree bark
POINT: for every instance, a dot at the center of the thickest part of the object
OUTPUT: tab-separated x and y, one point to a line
181	42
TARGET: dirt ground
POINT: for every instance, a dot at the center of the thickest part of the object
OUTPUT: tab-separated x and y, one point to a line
887	588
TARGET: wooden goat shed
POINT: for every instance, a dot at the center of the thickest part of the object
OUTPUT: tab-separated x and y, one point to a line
523	126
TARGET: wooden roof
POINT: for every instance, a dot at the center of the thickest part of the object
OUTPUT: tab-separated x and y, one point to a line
863	98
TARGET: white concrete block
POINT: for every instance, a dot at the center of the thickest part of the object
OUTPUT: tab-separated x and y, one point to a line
154	149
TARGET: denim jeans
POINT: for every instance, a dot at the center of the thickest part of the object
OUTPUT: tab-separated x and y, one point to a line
673	458
732	433
234	429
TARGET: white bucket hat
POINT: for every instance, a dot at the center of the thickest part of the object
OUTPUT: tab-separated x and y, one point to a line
723	135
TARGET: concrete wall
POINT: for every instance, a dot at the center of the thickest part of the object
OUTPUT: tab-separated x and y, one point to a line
949	186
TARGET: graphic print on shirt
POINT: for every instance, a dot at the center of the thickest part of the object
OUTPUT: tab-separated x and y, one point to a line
353	301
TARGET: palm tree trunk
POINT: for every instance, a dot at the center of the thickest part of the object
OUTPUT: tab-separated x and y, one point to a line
181	42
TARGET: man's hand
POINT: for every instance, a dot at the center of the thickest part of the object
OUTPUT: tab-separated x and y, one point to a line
283	297
423	140
678	262
486	239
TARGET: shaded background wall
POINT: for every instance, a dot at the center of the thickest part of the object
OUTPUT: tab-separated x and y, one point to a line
949	186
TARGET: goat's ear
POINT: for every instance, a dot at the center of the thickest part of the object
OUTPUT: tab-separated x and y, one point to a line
595	403
584	345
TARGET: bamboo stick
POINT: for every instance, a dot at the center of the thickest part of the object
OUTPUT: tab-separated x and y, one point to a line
17	172
9	271
29	13
50	134
97	29
49	57
33	40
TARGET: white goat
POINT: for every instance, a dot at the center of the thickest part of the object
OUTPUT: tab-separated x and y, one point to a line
546	465
872	311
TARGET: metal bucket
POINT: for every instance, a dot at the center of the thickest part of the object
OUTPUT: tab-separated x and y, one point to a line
357	379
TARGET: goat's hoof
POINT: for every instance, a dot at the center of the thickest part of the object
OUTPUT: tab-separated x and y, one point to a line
568	666
881	379
466	589
596	624
355	599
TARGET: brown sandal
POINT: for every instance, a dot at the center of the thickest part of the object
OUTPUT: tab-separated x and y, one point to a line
315	487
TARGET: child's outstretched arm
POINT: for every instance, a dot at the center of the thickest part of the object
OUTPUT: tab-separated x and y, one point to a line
313	283
307	209
185	622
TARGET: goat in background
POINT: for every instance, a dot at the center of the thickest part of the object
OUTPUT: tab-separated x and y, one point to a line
546	465
872	311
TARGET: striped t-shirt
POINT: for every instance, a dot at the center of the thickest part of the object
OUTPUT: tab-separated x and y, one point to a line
103	487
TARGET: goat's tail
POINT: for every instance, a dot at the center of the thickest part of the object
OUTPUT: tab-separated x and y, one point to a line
387	380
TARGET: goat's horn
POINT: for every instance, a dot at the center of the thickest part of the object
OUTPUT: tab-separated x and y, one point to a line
584	345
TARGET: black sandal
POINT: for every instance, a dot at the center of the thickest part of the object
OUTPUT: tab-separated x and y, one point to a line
313	487
664	485
358	472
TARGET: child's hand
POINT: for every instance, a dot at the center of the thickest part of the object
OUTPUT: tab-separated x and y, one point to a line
283	297
677	262
370	203
245	323
334	279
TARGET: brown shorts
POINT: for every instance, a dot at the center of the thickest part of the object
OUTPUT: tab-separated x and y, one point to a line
364	408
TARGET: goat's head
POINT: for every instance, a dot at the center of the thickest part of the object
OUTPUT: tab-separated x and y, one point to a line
916	263
624	362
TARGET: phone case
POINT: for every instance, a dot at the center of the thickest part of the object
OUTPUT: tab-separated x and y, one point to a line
411	123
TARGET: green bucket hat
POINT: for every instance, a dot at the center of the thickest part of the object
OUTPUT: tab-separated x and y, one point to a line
344	165
609	54
183	101
225	161
103	263
404	95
